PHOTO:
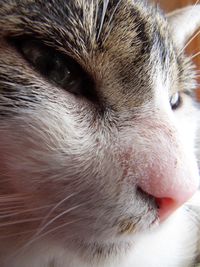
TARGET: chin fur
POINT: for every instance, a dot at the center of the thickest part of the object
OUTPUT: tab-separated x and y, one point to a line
173	243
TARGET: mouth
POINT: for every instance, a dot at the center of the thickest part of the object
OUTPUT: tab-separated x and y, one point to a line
146	219
130	226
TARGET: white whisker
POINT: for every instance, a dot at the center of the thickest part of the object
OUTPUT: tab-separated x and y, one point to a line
54	229
189	42
43	226
13	197
58	227
6	206
196	3
111	18
53	209
189	17
16	234
59	216
96	15
195	55
23	211
41	236
105	6
20	221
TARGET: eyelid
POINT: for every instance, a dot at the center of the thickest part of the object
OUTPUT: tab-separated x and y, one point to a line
73	78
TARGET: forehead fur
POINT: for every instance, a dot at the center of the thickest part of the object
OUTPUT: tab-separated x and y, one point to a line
121	43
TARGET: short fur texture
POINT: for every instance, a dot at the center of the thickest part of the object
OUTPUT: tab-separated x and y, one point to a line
73	168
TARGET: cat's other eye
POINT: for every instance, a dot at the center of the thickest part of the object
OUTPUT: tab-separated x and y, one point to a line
175	101
57	68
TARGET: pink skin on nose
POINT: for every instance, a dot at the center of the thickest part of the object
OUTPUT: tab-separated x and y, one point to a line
172	188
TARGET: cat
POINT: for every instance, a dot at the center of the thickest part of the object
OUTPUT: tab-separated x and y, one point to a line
98	125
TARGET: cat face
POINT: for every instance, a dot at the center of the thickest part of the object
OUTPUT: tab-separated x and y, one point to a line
97	122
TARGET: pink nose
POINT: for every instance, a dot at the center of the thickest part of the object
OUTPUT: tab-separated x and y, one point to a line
166	207
171	189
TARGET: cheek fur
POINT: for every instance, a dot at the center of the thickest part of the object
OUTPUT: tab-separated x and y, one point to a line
60	154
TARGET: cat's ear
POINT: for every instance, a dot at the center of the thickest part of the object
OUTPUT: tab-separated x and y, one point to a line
183	23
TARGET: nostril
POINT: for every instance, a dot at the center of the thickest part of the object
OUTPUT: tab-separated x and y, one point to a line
167	199
166	206
164	202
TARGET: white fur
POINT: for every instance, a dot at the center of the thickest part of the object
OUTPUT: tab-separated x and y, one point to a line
183	22
169	246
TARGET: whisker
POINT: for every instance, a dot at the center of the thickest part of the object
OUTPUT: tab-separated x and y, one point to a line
191	11
53	209
12	197
196	3
110	20
6	212
96	15
59	216
20	221
105	6
24	211
195	55
16	234
189	16
10	205
189	42
95	21
43	224
41	236
58	227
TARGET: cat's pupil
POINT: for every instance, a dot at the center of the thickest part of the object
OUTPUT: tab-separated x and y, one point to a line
59	73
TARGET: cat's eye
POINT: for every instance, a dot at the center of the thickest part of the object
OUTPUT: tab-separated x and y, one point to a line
175	101
57	68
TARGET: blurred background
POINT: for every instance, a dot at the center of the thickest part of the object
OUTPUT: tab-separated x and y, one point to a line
194	47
